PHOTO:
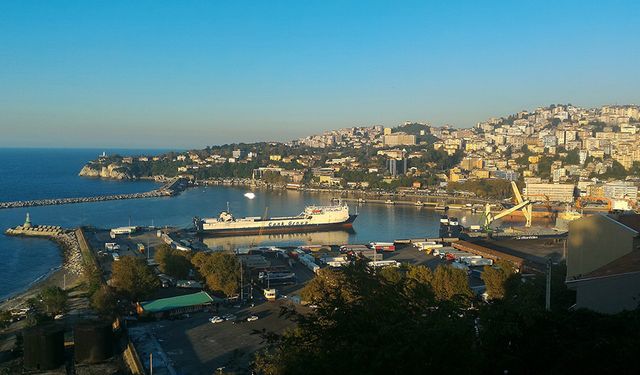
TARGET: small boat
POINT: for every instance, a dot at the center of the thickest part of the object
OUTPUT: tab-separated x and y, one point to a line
444	219
453	221
389	201
360	200
419	203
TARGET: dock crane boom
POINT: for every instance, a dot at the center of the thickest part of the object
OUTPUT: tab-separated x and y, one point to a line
524	205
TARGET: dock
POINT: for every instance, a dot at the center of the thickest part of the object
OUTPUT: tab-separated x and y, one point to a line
171	188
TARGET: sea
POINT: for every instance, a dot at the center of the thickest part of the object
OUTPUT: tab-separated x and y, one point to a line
27	174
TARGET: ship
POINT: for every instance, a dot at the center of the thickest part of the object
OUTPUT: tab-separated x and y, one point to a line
312	219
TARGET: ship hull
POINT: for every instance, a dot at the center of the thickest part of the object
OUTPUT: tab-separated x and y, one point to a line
280	229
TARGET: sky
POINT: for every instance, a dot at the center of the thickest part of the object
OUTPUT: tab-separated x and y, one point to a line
186	74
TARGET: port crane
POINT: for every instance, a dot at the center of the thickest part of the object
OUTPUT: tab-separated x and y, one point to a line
521	204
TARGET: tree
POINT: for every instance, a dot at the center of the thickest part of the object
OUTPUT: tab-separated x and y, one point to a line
132	277
221	271
328	284
5	318
449	283
495	277
54	300
104	301
172	262
375	328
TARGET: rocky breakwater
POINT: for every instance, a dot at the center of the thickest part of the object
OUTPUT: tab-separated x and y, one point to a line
171	188
111	171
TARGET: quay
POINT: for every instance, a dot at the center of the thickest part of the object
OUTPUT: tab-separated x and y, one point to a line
171	188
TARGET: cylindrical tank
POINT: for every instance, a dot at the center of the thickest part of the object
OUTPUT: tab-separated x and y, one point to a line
43	347
93	341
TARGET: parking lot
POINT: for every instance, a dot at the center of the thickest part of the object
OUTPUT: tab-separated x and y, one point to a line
194	345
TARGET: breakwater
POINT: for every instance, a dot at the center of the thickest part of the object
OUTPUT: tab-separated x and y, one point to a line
171	188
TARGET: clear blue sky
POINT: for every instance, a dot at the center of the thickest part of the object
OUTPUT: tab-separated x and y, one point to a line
194	73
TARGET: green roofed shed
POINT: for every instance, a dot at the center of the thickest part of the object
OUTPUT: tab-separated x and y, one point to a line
176	305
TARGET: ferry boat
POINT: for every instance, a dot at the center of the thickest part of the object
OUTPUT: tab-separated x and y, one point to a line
313	218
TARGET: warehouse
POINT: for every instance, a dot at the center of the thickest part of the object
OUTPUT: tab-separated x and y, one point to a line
175	305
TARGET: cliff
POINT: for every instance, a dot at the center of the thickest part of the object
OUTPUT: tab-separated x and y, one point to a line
111	171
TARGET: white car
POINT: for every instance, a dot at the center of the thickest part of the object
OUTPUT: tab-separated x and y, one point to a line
229	317
216	319
252	318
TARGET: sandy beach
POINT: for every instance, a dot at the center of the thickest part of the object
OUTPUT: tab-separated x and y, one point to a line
67	276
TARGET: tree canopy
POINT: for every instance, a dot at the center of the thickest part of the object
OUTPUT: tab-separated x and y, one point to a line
221	271
378	323
172	262
54	300
132	277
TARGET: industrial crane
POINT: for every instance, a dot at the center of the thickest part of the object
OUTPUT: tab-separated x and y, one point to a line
524	205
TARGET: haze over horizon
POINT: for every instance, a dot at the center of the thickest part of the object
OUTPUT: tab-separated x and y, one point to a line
169	74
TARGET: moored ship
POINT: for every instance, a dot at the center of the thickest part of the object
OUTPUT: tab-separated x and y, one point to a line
313	218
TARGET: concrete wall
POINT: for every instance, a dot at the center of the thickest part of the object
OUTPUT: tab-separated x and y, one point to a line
608	295
594	241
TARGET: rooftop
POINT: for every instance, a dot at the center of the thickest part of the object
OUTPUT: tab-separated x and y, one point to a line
625	264
171	303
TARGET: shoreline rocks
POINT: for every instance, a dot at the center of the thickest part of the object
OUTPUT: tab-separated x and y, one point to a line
112	171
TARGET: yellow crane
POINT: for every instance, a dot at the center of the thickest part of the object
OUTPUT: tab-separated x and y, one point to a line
524	205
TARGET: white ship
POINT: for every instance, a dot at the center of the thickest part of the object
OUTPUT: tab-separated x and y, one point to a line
313	218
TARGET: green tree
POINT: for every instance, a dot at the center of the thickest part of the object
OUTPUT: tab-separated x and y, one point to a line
54	300
172	262
450	283
375	328
132	277
221	271
5	318
495	278
104	301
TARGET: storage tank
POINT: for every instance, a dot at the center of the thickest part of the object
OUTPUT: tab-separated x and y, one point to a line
43	347
93	341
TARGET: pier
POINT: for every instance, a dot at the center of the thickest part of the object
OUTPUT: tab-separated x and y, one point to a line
171	188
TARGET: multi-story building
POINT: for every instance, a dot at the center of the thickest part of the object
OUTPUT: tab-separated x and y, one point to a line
399	139
555	192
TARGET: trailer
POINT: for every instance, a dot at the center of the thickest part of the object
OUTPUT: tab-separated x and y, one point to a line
384	263
479	262
123	230
383	246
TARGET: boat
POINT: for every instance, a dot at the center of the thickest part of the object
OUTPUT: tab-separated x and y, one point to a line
444	219
388	201
360	200
419	204
453	221
313	218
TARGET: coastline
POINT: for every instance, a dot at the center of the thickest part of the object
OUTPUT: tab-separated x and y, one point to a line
69	273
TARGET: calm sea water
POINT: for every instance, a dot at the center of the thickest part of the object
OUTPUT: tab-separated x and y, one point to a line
32	174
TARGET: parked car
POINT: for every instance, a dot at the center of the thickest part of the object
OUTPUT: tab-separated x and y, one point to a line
252	318
216	319
229	317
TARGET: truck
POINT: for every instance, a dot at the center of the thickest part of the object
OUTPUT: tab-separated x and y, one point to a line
270	294
384	263
479	262
383	246
140	247
115	256
123	230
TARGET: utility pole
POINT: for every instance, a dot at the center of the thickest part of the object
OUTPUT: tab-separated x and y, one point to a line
241	284
548	291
